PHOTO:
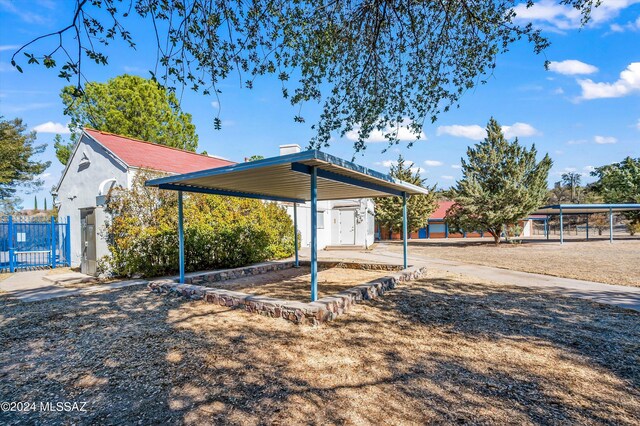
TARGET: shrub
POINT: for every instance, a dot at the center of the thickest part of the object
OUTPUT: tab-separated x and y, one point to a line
220	232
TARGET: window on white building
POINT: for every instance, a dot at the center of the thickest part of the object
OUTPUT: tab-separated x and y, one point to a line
320	220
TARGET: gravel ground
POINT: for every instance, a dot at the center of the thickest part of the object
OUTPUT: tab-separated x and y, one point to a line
446	349
600	261
294	283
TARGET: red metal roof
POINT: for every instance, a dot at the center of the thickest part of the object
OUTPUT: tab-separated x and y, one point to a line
137	153
441	211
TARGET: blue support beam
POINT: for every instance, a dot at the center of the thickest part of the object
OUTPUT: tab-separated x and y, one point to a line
68	240
546	227
428	230
587	226
561	228
53	242
314	235
186	188
446	230
12	266
610	225
404	229
326	174
295	232
181	237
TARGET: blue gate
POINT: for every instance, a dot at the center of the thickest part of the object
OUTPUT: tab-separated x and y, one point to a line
27	243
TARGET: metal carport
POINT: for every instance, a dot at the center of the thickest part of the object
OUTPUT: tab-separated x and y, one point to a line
300	177
586	209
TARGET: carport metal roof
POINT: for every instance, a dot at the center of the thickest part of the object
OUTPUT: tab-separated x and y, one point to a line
282	179
586	208
297	178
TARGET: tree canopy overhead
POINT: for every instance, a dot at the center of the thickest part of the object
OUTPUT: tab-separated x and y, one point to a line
371	64
620	183
502	183
130	106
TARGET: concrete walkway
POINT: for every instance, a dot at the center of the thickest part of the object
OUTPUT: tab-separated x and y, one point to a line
31	286
622	296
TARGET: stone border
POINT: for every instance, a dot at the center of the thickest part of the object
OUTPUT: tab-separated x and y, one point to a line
326	309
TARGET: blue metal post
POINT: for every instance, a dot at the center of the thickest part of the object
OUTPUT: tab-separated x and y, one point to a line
464	234
446	230
404	228
561	228
68	241
12	267
546	227
610	225
53	242
314	234
587	226
181	237
295	232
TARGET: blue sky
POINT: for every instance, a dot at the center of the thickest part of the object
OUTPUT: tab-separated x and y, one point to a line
585	111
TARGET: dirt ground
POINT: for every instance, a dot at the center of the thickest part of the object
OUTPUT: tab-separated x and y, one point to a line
294	283
600	261
446	349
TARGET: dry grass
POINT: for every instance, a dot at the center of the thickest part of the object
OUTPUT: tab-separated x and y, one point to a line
293	284
600	261
445	349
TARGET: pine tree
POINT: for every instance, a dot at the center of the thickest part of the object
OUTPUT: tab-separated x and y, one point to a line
419	207
45	204
501	184
35	202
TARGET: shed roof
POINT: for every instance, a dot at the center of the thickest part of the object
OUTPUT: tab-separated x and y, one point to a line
286	178
142	154
586	208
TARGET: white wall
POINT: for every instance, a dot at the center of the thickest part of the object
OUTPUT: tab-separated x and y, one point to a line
330	234
79	188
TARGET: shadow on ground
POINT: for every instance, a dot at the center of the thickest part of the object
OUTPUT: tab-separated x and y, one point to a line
439	350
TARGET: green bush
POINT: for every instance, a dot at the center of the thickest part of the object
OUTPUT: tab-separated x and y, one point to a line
220	232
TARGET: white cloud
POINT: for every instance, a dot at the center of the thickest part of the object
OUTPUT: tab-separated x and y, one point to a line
638	124
215	104
433	163
473	131
401	131
385	163
559	152
456	166
51	127
628	83
519	129
576	142
629	26
9	47
604	140
549	14
415	170
477	132
571	67
569	169
558	91
447	177
588	169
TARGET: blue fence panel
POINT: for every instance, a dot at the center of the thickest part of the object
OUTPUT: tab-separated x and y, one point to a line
27	243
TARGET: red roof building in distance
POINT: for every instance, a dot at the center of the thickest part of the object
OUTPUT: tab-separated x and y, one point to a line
441	212
147	155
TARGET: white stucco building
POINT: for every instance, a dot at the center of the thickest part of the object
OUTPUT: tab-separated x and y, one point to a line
101	161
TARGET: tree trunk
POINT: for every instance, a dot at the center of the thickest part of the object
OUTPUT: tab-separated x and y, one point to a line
496	235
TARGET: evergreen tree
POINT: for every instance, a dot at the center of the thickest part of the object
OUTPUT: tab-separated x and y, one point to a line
35	202
419	207
130	106
17	167
501	184
620	183
45	204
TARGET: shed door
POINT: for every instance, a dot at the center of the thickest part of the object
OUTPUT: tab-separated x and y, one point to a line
88	244
347	227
